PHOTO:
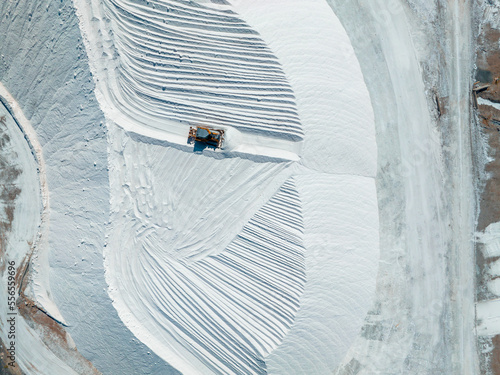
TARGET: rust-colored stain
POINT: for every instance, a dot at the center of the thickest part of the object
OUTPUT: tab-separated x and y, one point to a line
52	333
22	268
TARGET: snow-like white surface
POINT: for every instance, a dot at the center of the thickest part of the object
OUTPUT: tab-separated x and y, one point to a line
341	238
189	273
172	236
44	66
422	321
486	316
413	327
224	262
491	240
21	149
165	65
488	102
39	287
332	99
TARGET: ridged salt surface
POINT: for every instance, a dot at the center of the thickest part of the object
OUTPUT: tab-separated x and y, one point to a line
224	298
179	60
222	263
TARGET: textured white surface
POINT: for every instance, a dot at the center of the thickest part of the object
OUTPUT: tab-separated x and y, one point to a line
415	326
195	250
31	354
488	318
490	240
332	99
341	238
227	310
44	66
162	66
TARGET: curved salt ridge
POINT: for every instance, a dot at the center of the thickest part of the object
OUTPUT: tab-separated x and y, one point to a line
177	235
21	151
225	313
324	73
183	61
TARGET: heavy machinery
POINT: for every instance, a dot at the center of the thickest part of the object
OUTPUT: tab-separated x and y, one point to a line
207	135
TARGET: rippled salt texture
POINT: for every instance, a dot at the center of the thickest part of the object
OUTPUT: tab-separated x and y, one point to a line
220	262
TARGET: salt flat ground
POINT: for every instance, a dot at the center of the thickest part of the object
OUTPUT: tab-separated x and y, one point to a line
21	218
186	236
423	318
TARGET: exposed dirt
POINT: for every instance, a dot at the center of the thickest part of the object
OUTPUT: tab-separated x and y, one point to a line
488	63
8	189
490	199
53	335
493	92
5	367
495	355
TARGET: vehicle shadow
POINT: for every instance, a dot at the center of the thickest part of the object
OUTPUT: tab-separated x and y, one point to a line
200	146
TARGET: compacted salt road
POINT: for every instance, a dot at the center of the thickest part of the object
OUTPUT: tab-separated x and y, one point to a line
423	318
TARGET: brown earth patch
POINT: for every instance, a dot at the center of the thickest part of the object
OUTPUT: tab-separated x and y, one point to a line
487	48
5	361
493	92
490	117
488	63
495	355
9	191
35	315
490	199
51	332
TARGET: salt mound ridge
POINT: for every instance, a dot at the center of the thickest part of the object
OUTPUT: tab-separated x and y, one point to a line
226	312
218	261
179	60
